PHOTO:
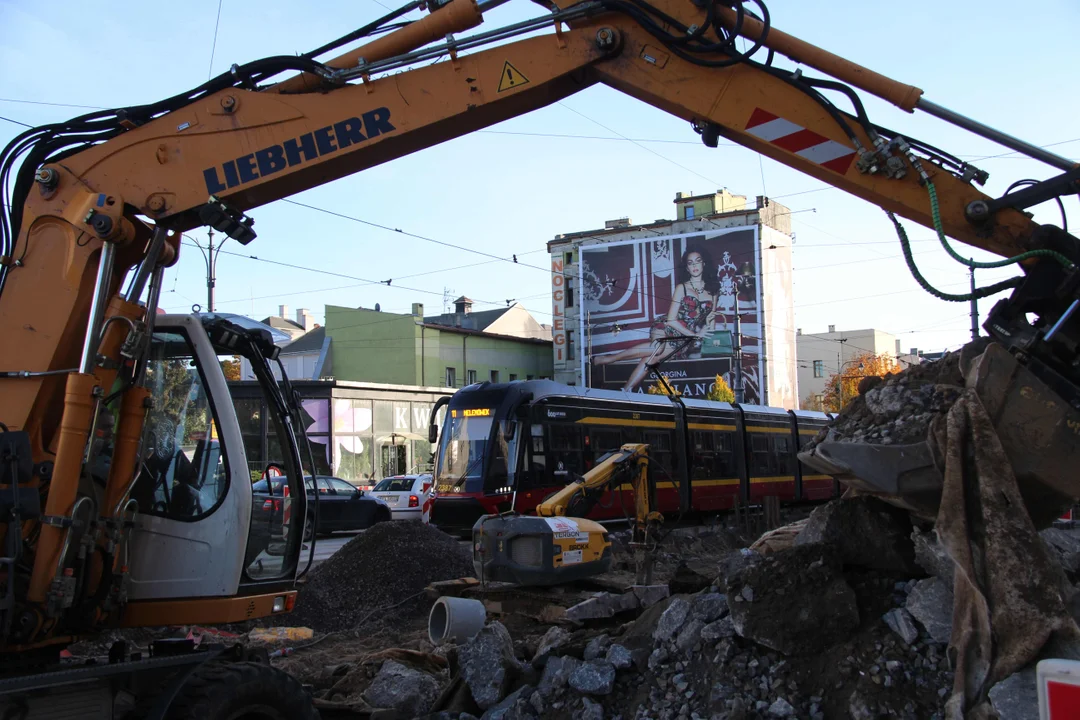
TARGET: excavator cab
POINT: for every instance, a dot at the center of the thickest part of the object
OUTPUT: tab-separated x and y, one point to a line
198	532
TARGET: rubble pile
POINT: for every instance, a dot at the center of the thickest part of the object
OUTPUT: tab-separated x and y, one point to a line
851	620
389	563
899	409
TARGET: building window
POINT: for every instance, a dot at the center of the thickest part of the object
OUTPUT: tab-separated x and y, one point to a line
513	377
451	377
819	368
689	212
494	376
570	345
528	377
569	292
471	374
569	257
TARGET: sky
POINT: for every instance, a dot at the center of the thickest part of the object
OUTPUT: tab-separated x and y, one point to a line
595	156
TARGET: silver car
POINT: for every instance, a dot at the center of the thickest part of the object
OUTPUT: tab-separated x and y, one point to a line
408	496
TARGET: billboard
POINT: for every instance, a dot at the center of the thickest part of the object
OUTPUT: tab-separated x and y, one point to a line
672	299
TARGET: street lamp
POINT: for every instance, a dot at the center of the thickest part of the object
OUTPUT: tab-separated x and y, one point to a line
210	258
744	277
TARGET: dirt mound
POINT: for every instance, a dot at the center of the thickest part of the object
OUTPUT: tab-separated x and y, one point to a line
382	566
899	409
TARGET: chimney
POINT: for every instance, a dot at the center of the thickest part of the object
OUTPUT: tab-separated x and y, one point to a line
418	310
304	319
898	347
463	305
617	223
283	311
798	331
914	351
832	328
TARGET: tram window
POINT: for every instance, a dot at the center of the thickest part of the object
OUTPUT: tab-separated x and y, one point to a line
659	452
783	455
604	441
702	465
759	444
760	457
564	437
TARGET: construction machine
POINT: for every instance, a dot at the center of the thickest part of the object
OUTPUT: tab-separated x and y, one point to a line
125	488
559	544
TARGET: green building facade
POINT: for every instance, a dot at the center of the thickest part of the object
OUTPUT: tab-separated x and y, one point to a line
404	349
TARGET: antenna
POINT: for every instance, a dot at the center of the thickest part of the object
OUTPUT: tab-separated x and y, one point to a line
447	299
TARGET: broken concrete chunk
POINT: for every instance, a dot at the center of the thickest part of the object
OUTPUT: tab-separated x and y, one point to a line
672	619
553	639
596	677
709	606
602	605
650	594
781	708
1016	697
900	622
516	706
689	636
487	661
593	710
801	602
722	628
401	688
930	555
1063	547
619	657
931	603
597	647
866	532
557	674
658	657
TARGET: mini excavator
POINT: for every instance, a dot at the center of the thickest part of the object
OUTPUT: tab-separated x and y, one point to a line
559	544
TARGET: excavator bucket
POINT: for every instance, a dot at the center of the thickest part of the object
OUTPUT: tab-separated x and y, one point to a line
1039	431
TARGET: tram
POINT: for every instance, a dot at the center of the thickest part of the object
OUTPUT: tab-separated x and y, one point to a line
507	446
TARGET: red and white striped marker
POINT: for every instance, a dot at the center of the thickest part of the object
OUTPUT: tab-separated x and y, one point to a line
1059	689
797	139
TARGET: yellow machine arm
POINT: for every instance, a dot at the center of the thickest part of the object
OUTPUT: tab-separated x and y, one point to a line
111	191
628	463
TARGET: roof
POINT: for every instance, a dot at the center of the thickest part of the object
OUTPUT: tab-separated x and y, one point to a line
471	331
280	322
463	299
469	321
311	341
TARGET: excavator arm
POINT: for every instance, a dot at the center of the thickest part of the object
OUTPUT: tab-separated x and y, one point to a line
110	192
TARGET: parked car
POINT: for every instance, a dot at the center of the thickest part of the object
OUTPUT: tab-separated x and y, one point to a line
342	506
406	495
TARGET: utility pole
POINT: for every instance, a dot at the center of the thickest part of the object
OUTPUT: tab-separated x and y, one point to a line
739	387
974	305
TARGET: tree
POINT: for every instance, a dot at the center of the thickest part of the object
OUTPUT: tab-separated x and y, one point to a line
660	388
813	401
720	391
231	368
843	387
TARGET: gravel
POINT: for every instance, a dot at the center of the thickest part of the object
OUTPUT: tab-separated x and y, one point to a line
385	565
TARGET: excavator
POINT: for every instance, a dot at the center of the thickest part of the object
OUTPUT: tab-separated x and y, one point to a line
125	484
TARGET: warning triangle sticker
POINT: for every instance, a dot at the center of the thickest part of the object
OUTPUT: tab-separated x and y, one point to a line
511	78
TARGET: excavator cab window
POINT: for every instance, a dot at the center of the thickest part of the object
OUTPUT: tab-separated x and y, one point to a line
185	472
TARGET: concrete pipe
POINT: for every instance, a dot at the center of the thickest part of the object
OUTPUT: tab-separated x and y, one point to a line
455	619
